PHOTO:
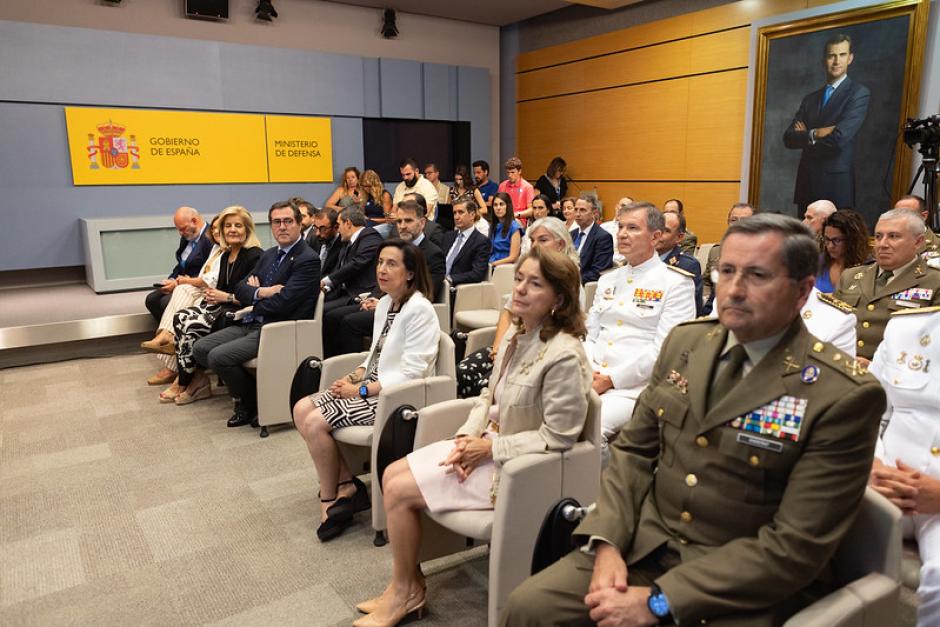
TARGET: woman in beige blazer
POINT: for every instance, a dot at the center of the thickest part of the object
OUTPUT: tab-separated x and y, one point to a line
536	401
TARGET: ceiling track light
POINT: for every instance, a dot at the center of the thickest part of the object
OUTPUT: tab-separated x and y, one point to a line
389	29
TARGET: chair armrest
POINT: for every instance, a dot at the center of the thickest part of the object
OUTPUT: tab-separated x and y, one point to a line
480	338
277	340
309	338
871	600
337	367
439	388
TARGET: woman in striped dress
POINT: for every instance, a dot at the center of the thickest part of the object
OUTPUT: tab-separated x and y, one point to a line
404	347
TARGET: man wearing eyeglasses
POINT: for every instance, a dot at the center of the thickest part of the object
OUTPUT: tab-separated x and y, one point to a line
741	471
899	280
282	286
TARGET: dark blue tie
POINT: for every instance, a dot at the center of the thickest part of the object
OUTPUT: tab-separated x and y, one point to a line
272	271
577	238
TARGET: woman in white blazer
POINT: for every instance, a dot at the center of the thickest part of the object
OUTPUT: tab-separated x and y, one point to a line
536	401
404	347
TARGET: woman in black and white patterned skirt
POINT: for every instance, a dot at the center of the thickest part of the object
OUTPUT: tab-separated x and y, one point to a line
404	347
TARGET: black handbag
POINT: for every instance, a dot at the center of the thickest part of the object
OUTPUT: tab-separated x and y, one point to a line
306	380
396	440
554	539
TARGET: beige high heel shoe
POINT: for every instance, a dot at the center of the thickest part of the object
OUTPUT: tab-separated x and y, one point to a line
416	604
370	605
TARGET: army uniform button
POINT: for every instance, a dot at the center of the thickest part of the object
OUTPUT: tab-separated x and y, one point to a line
861	343
691	480
685	517
935	450
754	460
610	343
604	365
683	540
619	322
836	357
818	347
701	441
871	308
660	412
866	324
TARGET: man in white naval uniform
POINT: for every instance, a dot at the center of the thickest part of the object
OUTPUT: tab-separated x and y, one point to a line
831	320
634	309
906	468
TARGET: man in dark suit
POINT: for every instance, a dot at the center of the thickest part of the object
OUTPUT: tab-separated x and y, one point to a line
825	127
349	326
594	245
326	240
466	250
282	286
669	249
355	270
742	468
195	246
307	213
432	230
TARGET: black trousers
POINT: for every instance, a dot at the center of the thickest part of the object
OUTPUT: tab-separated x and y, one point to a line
156	303
344	328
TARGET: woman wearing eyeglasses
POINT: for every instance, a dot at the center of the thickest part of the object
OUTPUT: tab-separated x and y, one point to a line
845	239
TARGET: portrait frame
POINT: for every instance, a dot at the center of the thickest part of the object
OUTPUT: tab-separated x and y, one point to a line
764	130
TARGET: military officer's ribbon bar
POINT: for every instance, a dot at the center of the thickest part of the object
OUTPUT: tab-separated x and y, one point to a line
781	418
915	293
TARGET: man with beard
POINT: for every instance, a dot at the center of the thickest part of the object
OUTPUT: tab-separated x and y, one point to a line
413	183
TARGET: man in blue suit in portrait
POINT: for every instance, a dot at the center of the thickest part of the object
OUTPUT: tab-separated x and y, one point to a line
284	285
825	127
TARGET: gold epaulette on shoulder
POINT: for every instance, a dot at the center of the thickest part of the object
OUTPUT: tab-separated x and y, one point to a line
918	310
831	300
681	271
700	319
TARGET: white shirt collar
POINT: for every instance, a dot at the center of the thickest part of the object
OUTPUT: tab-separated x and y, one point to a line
838	81
417	241
355	235
652	262
467	232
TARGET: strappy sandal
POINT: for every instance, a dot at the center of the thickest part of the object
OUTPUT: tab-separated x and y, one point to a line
334	525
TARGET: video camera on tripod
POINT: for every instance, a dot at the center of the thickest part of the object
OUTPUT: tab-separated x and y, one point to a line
926	133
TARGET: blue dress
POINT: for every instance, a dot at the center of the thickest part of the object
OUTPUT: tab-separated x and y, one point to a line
824	282
501	243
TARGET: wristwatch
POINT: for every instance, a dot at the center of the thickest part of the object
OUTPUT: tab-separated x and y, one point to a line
658	604
364	391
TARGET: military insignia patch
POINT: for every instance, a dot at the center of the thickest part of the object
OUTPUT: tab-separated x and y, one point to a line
781	418
915	293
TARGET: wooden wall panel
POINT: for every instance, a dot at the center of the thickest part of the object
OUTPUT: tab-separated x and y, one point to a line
706	204
626	133
708	53
716	126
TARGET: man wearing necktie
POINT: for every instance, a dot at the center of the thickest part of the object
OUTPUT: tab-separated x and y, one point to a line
741	471
825	127
595	246
282	286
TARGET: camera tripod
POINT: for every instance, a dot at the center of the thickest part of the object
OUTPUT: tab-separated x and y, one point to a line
930	170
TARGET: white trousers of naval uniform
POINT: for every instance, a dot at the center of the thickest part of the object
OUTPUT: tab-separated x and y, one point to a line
616	411
926	530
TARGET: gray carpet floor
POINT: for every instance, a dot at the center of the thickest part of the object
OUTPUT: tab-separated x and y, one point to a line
117	510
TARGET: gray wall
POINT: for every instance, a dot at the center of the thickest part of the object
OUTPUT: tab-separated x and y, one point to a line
57	66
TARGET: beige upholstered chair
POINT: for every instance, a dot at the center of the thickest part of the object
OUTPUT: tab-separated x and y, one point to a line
590	289
477	305
529	486
282	346
359	445
701	255
480	338
867	565
442	307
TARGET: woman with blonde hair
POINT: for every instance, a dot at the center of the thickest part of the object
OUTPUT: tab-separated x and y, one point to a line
536	402
473	372
348	191
372	205
241	252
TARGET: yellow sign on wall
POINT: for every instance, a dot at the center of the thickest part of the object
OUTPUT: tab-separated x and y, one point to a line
299	149
153	147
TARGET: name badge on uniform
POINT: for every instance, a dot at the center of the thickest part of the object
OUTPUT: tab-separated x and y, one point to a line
645	298
781	418
761	443
915	293
906	303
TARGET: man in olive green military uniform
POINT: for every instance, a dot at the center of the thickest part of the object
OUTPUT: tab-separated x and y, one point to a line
916	204
690	242
738	210
743	467
899	279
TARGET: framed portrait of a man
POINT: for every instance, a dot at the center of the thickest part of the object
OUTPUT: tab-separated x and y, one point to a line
832	93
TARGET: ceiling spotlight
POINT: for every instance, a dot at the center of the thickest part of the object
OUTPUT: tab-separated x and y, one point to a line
389	30
265	11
